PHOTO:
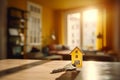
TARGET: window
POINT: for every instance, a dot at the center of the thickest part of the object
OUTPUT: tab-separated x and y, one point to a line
34	25
76	56
73	30
82	28
89	29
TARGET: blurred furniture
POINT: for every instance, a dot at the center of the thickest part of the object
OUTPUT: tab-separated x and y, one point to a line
114	54
40	70
40	55
16	32
44	54
92	57
87	56
58	49
64	53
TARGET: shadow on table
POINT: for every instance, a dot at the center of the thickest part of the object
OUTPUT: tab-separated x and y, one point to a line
68	75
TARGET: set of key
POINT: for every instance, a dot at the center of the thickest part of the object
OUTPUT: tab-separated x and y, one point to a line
68	67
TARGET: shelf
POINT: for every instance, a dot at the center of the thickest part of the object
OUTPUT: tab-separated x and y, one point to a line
17	18
17	45
16	27
16	32
11	36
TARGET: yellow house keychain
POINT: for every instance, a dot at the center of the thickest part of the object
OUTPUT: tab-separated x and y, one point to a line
77	57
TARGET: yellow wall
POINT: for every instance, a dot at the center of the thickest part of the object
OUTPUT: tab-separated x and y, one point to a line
110	25
47	24
47	17
18	4
59	26
101	30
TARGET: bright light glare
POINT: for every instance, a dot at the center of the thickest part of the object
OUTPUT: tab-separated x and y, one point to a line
76	15
90	15
90	71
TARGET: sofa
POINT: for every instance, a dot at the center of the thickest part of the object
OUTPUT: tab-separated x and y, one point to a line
42	54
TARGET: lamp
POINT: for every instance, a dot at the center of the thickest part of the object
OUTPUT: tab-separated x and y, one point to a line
99	36
53	36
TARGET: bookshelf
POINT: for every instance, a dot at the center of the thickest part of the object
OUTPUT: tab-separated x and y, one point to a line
16	32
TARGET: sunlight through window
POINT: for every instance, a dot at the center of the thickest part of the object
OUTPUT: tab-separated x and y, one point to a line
89	29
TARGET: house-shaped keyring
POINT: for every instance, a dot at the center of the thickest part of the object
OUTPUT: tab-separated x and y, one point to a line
77	57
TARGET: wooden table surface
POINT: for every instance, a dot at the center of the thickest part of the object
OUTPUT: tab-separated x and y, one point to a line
16	69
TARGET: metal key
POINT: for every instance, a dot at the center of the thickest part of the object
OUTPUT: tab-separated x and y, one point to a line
68	67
